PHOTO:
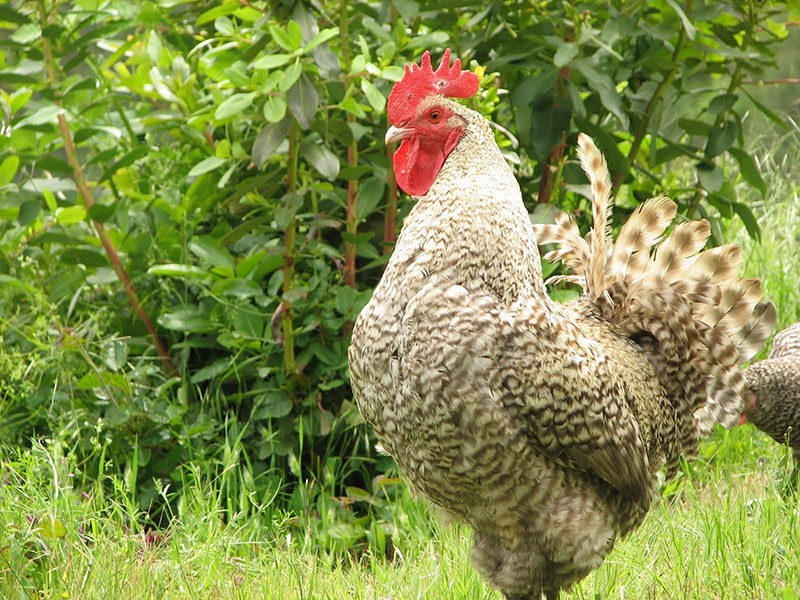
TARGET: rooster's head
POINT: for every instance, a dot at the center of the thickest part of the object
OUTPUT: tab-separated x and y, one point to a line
427	123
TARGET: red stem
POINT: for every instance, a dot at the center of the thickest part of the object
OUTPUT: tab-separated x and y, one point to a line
88	201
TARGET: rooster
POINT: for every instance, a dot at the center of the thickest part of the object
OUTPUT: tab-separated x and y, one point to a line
542	425
772	397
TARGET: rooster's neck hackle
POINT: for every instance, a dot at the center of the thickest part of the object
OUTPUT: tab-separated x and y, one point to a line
473	221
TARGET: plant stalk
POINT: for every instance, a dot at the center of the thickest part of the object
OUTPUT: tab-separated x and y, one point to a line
88	201
290	240
351	207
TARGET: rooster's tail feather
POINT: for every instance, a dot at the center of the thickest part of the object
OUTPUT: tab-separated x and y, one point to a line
702	318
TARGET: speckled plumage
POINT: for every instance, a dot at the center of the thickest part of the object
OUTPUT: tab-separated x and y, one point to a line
772	399
544	425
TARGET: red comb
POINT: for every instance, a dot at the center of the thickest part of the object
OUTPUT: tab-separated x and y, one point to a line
420	81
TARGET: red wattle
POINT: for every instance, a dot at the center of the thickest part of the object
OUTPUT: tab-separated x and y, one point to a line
416	167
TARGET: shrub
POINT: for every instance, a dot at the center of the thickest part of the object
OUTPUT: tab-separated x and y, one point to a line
197	201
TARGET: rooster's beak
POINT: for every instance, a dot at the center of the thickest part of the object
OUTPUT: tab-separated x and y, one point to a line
398	133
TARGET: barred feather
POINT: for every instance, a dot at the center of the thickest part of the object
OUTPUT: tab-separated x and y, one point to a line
675	255
703	319
594	165
717	265
786	343
751	337
571	249
736	304
639	235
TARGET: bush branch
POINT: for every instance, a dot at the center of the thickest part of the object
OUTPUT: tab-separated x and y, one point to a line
88	201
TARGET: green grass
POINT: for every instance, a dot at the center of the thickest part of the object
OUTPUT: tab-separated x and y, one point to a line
723	530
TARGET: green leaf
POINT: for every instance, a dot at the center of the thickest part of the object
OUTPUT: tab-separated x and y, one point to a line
10	15
548	123
84	256
86	133
535	88
322	159
303	101
352	106
271	82
749	169
161	87
116	416
51	527
187	318
43	116
207	248
565	54
274	109
234	105
102	212
225	26
710	177
375	98
127	160
103	276
55	184
392	73
8	281
28	211
226	8
239	288
269	139
767	112
290	39
721	201
290	76
749	219
327	355
69	215
370	194
16	78
357	494
50	200
271	405
283	216
272	61
206	165
223	148
322	37
8	168
154	46
26	34
215	369
605	88
721	138
408	9
115	354
686	21
694	127
19	99
178	270
345	299
722	103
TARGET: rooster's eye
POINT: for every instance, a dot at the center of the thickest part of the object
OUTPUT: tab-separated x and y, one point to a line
435	116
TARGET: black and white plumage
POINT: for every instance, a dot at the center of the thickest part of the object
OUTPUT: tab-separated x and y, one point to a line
542	425
772	397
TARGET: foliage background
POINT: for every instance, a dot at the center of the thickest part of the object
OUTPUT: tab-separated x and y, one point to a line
196	202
